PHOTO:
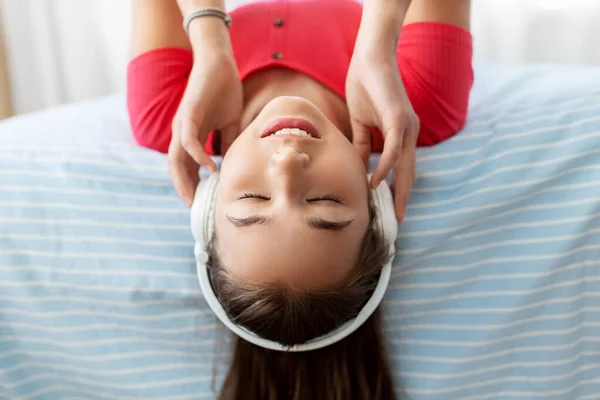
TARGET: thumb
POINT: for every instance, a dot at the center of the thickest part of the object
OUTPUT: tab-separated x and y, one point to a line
361	139
228	136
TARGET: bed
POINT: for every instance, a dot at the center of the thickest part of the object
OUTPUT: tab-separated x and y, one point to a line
495	291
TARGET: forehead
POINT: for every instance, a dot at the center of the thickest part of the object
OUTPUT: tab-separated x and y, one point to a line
289	252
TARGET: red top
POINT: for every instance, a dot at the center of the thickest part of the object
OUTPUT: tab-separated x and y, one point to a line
315	38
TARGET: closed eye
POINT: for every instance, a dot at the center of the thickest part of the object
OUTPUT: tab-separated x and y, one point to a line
327	197
253	196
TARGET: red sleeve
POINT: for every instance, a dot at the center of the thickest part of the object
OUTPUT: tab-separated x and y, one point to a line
435	61
156	81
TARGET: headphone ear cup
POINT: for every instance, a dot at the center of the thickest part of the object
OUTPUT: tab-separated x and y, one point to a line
203	210
387	215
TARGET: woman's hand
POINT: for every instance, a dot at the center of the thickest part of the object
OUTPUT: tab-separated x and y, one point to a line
212	101
376	98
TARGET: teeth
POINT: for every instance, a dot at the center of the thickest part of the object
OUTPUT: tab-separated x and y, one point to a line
292	131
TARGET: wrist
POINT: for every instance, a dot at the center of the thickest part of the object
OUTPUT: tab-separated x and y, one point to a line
382	21
189	6
209	32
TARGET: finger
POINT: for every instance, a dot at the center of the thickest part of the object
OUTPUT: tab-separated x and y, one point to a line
189	141
228	136
392	150
184	172
404	178
361	139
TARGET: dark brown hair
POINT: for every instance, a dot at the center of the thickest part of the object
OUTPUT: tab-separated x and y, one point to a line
354	368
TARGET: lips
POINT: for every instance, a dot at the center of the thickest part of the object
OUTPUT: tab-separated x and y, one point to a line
291	123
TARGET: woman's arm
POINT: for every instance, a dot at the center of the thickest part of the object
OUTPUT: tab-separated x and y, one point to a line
452	12
159	23
375	92
206	32
384	18
156	24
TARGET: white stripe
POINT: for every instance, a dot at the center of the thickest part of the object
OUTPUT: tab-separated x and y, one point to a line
109	256
468	134
173	200
97	239
124	289
70	298
524	364
491	327
521	109
516	351
488	310
164	183
105	385
589	397
501	154
472	345
71	206
145	274
71	159
108	357
100	149
536	224
428	216
152	330
548	206
500	293
95	394
499	137
551	117
53	145
478	371
109	371
518	167
90	312
507	379
426	375
196	344
465	267
83	222
529	183
531	394
44	393
497	277
518	336
500	244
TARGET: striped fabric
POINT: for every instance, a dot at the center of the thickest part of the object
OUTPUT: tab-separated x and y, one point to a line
495	292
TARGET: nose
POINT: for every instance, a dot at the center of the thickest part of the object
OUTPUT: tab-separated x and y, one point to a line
288	160
287	166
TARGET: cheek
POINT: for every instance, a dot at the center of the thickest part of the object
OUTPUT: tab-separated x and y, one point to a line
343	167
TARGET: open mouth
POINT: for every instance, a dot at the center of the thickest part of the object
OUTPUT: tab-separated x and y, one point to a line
296	127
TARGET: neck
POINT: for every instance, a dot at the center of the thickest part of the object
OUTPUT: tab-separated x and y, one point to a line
264	86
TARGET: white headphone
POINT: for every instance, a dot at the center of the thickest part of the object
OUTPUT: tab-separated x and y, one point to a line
202	223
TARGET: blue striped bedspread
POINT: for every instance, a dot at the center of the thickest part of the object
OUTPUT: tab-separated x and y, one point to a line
495	292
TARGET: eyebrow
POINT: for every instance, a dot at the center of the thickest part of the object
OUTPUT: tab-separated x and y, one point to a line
316	223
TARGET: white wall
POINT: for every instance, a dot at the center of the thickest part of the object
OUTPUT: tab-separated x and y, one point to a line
564	31
69	50
65	50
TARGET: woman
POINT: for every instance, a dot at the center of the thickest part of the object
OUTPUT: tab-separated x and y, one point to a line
295	254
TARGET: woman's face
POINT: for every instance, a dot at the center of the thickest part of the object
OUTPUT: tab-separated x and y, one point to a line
291	208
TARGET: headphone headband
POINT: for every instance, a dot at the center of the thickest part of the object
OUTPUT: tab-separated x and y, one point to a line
202	223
